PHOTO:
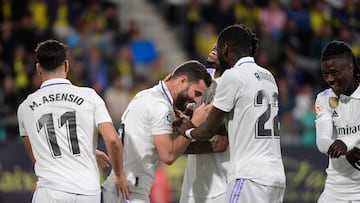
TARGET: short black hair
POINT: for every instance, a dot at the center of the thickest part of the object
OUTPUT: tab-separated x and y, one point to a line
339	49
194	71
51	54
241	40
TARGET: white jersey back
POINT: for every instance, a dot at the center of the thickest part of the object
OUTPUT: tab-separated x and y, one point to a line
343	180
249	93
150	113
61	121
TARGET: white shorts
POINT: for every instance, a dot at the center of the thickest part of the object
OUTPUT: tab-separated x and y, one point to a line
326	199
192	199
244	190
48	195
111	197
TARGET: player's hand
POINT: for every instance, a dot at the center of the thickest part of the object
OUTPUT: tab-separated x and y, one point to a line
102	159
189	112
176	123
353	157
181	115
121	185
336	149
186	124
180	119
215	140
200	114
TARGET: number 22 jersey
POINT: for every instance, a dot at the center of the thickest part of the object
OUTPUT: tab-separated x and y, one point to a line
250	94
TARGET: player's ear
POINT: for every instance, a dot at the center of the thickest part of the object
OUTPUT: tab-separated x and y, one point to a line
226	50
66	64
182	79
168	77
38	69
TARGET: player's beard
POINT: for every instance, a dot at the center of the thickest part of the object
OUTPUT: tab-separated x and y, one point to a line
182	99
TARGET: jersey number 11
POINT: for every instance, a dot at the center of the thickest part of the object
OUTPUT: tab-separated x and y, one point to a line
69	120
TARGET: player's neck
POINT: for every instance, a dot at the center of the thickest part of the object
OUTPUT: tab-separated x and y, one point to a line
49	76
171	86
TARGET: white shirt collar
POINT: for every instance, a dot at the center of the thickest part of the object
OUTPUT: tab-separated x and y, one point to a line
247	59
55	81
356	93
165	91
211	72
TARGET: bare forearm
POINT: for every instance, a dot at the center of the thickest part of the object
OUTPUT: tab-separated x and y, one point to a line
211	126
116	156
178	147
219	144
113	146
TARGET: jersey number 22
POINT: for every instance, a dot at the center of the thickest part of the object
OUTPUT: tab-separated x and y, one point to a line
262	99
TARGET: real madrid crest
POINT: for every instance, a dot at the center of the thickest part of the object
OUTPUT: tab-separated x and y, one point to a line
333	102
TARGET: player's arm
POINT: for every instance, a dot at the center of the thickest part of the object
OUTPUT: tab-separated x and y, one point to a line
324	130
28	149
217	143
24	134
207	129
170	148
115	150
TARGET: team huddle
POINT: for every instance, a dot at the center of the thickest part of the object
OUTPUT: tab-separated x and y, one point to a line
223	115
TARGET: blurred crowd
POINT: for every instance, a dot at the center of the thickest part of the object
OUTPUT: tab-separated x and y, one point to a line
103	53
117	60
291	36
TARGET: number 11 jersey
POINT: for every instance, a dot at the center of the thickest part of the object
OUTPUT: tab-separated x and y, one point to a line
61	122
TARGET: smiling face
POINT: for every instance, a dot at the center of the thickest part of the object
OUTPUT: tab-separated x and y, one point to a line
213	58
338	73
191	93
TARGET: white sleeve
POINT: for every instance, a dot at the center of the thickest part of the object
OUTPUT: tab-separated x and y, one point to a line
161	117
324	127
20	116
323	124
324	130
101	113
226	91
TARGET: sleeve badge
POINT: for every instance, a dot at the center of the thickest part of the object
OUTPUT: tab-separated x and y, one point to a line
333	102
168	118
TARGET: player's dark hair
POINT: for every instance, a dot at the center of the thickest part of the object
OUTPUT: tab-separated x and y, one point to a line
341	50
50	54
240	39
194	71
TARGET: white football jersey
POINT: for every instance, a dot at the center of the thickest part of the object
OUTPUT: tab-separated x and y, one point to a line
250	94
343	181
61	122
150	113
206	174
